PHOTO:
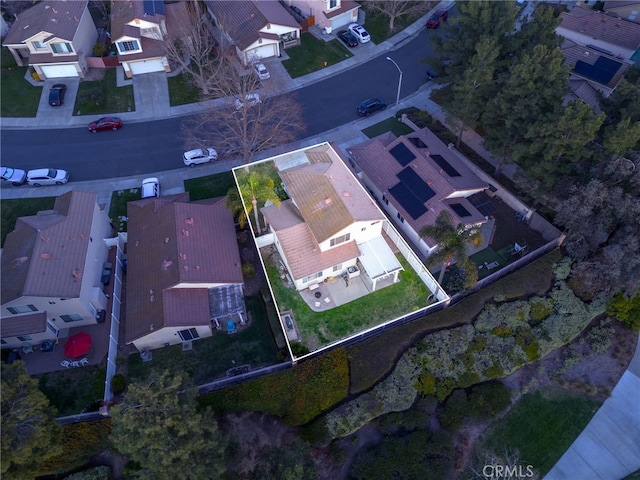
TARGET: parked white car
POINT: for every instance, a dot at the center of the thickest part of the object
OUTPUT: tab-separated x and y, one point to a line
14	176
198	156
150	187
250	99
360	33
47	176
261	71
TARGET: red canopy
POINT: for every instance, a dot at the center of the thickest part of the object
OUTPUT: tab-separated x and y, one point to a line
77	345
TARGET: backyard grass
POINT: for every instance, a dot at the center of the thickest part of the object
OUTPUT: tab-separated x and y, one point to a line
320	328
118	207
71	391
211	186
389	125
541	427
313	54
181	91
104	96
23	207
212	357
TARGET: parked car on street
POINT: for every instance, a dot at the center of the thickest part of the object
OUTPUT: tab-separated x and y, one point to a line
105	123
150	187
250	99
56	94
348	38
47	176
359	32
14	176
261	71
370	106
198	156
436	18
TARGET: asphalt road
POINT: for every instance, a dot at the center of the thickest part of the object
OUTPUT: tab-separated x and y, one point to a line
140	148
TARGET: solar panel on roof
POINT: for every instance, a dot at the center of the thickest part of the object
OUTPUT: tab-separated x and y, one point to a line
417	142
444	165
460	210
415	184
402	154
602	71
152	7
408	200
483	204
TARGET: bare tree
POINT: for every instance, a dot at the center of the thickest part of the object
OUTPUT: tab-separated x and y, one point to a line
398	8
507	466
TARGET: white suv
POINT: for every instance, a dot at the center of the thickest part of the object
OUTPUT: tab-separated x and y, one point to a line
360	33
250	99
198	156
47	176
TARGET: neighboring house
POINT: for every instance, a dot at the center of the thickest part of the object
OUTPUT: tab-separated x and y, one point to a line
627	9
602	72
257	28
184	276
51	271
328	14
611	35
53	37
414	177
329	223
138	30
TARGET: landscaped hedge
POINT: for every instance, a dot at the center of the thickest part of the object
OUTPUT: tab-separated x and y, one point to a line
297	395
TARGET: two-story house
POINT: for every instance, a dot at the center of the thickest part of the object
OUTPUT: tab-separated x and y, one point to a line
414	177
256	28
52	265
329	225
184	271
329	15
53	37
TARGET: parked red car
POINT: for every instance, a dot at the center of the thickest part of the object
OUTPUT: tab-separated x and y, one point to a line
105	123
440	15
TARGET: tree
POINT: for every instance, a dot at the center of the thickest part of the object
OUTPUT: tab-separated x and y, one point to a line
626	310
254	187
158	427
452	241
30	435
621	137
394	9
510	466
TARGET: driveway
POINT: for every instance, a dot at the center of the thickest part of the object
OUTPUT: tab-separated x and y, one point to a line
57	116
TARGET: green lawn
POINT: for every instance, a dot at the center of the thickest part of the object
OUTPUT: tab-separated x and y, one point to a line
212	357
181	91
541	427
18	98
210	186
104	96
23	207
320	328
389	125
313	54
118	207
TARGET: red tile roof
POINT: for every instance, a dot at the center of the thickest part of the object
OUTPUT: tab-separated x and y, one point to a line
600	26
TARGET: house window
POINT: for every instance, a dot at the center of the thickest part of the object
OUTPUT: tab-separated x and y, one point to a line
333	4
129	46
61	48
24	338
337	267
38	45
74	317
400	217
340	239
311	277
384	199
188	334
22	309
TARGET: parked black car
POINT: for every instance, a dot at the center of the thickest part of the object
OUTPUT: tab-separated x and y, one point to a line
348	38
56	94
370	106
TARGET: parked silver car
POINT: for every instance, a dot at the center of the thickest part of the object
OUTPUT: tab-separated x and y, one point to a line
14	176
198	156
47	176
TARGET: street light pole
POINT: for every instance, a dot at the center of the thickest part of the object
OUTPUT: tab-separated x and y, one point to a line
399	83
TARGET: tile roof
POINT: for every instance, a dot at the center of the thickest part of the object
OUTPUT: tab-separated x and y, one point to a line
171	242
13	326
124	12
600	26
60	18
573	53
243	19
373	157
345	6
46	253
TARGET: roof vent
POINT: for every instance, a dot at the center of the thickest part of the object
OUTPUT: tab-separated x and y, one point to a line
346	194
166	239
166	264
189	221
45	256
182	256
76	274
327	201
185	232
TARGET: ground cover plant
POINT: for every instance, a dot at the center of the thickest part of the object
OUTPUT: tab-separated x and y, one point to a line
211	186
13	209
313	54
389	125
104	96
74	390
18	98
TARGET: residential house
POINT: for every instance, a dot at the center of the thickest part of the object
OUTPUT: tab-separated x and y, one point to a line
257	28
627	9
139	29
329	226
183	269
328	14
610	35
414	177
52	264
53	37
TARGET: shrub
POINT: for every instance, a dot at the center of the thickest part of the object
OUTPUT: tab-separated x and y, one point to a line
502	331
494	371
626	310
299	349
118	383
455	410
538	311
248	270
426	384
486	400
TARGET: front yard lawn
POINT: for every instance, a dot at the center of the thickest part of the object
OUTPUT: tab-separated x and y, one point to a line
389	125
18	98
23	207
378	25
313	54
211	186
118	207
181	91
104	96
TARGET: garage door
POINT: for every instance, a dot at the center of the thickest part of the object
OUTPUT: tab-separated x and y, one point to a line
59	71
146	66
265	51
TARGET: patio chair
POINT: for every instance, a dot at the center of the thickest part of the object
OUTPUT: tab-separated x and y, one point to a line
75	363
65	363
327	300
84	361
317	304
